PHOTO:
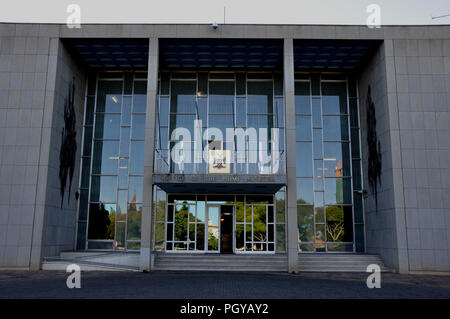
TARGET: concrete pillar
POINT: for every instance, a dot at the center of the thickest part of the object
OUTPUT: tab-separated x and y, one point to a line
152	87
291	192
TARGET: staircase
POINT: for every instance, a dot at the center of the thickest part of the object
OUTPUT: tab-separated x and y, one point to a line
220	262
94	261
339	262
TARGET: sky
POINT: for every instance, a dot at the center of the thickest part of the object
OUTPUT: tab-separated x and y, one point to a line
393	12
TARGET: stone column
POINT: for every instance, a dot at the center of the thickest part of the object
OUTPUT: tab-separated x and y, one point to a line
152	87
291	193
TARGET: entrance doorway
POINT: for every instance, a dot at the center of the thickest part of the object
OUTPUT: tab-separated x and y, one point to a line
224	224
220	228
226	229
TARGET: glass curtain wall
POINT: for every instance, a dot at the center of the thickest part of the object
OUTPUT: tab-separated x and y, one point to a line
220	100
329	197
112	161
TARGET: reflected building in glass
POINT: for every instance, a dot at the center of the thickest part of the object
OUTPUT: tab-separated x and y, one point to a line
252	147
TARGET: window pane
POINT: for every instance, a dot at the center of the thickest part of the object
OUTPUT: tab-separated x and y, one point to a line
356	167
241	112
160	236
125	141
278	83
338	191
104	189
86	165
107	126
302	98
222	122
221	97
334	98
304	191
102	221
260	97
105	159
200	241
137	158
83	205
259	226
279	112
109	96
138	129
358	207
139	102
165	83
355	143
183	97
339	224
281	237
122	200
280	206
317	143
320	237
87	144
240	237
319	207
336	159
183	121
164	111
135	189
305	220
120	235
316	113
304	159
359	238
240	83
126	111
354	113
90	105
303	128
335	128
134	222
203	111
318	175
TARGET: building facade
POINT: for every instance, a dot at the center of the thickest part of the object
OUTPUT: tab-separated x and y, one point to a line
242	139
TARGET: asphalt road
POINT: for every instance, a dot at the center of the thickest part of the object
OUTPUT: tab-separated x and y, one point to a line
219	285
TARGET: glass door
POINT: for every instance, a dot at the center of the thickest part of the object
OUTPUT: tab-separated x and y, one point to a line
213	226
258	229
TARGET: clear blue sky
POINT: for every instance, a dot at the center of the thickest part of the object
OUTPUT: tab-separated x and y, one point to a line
237	11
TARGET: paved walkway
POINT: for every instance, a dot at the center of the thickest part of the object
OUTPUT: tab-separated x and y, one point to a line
47	284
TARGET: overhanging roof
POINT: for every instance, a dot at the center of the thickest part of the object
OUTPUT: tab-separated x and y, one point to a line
222	54
332	54
110	53
219	183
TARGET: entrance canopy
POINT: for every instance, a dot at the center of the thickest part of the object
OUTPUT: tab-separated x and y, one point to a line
219	183
221	54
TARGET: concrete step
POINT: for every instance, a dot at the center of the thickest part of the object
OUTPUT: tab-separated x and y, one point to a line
216	262
84	266
338	262
241	269
94	261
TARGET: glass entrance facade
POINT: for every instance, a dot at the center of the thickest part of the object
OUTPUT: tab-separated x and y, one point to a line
328	161
198	223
